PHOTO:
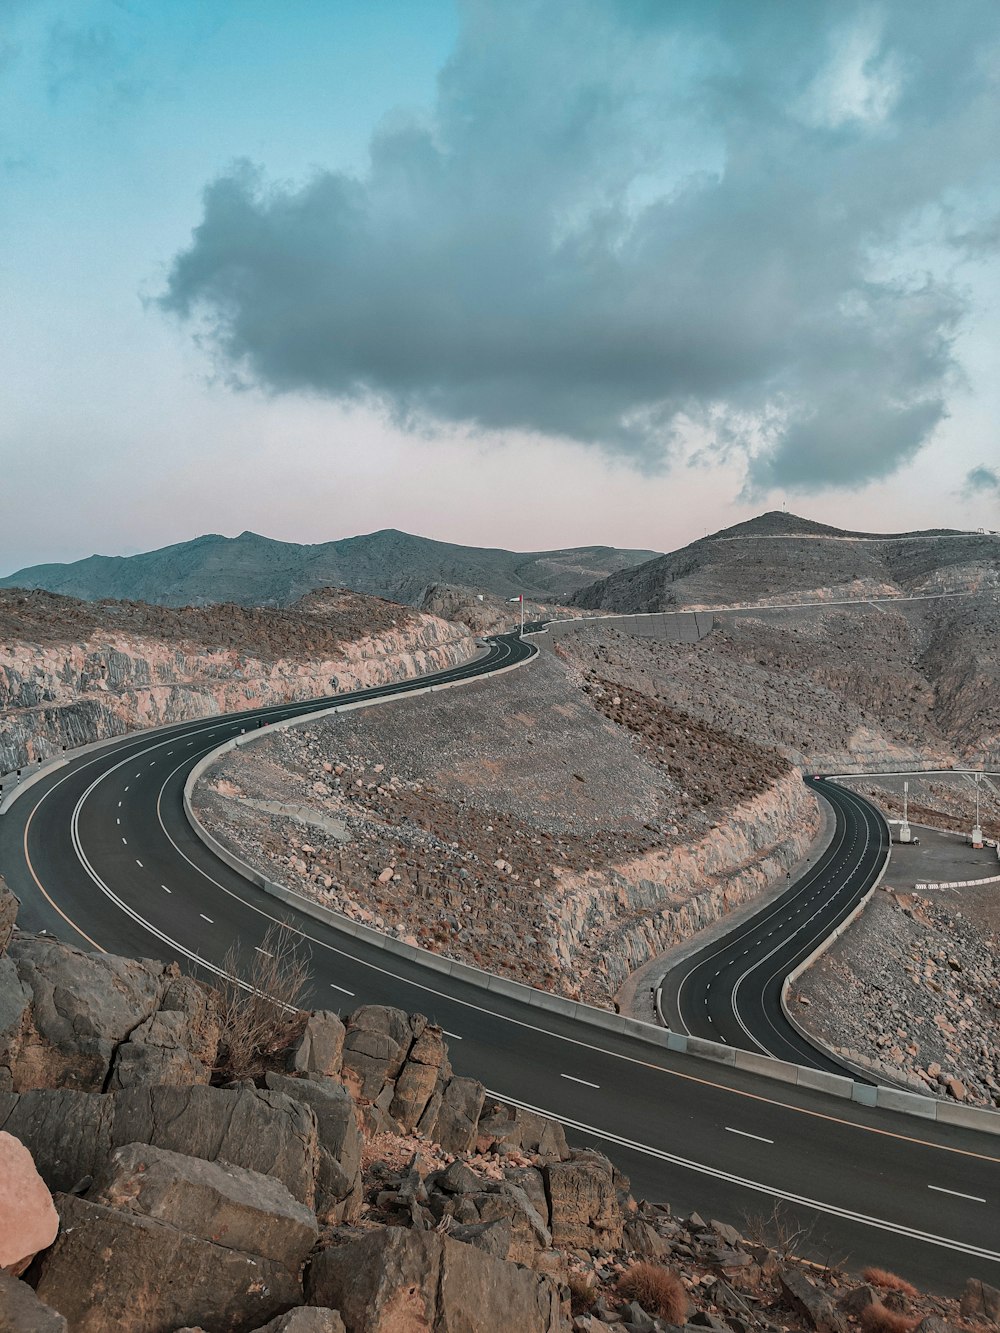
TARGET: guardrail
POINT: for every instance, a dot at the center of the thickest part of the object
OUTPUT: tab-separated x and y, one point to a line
836	1085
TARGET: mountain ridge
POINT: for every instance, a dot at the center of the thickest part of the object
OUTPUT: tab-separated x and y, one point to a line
254	570
783	555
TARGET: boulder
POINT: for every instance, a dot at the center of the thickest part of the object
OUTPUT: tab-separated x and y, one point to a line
259	1130
414	1088
83	1007
28	1220
218	1202
858	1299
376	1044
320	1049
396	1279
490	1237
457	1117
8	915
71	1134
526	1130
157	1053
111	1269
15	1015
200	1007
306	1319
503	1202
68	1133
808	1301
22	1312
585	1211
338	1125
980	1300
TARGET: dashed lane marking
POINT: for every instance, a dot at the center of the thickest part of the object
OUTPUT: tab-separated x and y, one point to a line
743	1134
453	1035
165	889
940	1189
586	1083
343	990
139	863
206	918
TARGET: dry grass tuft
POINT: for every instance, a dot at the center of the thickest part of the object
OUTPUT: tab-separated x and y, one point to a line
877	1319
260	1002
582	1292
659	1291
881	1277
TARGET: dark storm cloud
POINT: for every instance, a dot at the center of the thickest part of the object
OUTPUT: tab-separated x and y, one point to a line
618	217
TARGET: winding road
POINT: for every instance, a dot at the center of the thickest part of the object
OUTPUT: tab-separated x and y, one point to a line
730	991
101	854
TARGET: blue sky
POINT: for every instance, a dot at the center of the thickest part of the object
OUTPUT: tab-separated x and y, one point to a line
512	273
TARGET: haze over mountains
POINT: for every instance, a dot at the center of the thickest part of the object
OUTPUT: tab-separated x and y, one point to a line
252	570
779	555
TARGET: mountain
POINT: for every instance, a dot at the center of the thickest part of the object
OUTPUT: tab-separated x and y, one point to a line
779	555
251	570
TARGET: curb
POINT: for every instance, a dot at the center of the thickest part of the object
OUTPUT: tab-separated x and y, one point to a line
836	1085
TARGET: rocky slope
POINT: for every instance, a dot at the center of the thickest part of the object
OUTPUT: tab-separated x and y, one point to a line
351	1184
836	687
251	570
73	672
612	824
781	557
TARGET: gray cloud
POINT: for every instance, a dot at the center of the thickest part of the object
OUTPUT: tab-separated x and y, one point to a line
619	216
980	480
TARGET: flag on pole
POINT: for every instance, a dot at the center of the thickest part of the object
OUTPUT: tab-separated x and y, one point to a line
518	598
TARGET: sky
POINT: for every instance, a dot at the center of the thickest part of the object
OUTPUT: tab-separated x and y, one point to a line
522	273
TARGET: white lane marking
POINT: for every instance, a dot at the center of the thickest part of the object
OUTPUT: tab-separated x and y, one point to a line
138	863
126	788
743	1134
119	805
164	888
831	1209
118	821
343	989
453	1035
206	918
584	1081
940	1189
266	952
124	842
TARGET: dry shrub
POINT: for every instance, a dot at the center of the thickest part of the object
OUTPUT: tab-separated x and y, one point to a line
582	1292
877	1319
658	1290
260	1002
881	1277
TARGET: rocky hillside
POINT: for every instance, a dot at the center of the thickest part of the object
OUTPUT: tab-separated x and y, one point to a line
781	557
348	1181
73	672
251	570
830	687
612	824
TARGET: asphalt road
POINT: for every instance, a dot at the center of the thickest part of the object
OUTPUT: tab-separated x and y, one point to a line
730	991
101	855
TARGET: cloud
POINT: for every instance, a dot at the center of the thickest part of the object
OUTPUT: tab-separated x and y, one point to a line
619	218
981	481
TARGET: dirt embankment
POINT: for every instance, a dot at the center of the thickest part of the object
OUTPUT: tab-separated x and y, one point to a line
516	826
73	672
